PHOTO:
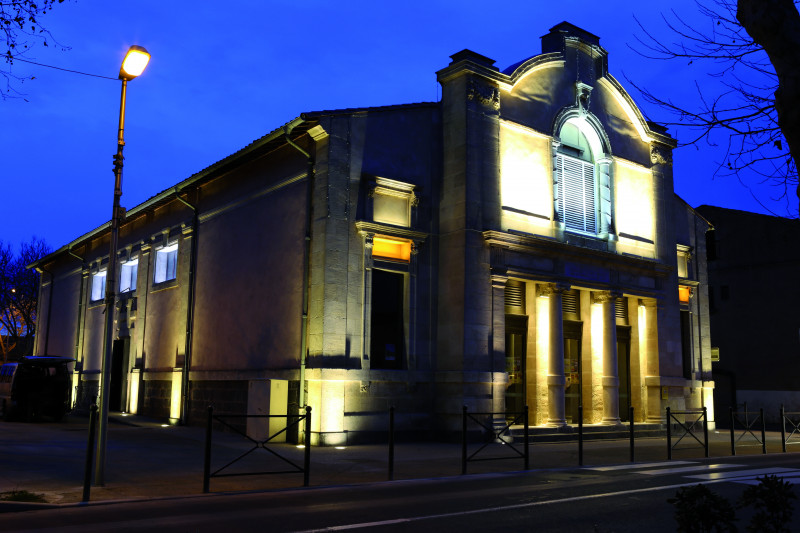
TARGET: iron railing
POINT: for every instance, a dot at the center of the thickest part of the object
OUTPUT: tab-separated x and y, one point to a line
498	434
689	426
291	421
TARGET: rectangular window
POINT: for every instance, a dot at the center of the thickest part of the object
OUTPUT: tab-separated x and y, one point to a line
387	326
98	285
683	265
576	194
127	275
166	264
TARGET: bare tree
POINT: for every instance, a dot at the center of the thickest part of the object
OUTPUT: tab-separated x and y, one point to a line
19	289
19	24
754	46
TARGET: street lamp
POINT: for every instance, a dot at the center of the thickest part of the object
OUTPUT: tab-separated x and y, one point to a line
133	65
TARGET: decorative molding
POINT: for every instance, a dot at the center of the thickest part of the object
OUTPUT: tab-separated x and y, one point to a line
583	95
489	96
660	156
364	226
599	297
547	289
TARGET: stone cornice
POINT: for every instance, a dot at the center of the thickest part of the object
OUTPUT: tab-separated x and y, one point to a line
534	245
366	227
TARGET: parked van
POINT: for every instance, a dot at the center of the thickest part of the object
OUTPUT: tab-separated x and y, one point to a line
36	386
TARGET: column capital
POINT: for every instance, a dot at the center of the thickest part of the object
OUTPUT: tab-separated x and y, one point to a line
558	287
599	297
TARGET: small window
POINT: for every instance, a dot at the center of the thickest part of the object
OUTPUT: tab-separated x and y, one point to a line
98	285
683	265
166	264
127	275
392	208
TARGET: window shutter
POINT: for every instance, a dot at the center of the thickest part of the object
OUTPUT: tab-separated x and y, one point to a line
570	304
515	297
621	309
576	197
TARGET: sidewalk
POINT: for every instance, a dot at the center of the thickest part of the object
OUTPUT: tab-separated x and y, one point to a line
147	460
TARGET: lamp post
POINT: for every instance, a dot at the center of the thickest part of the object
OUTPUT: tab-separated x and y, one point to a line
133	65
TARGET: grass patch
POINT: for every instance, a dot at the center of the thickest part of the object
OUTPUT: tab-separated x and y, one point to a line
22	496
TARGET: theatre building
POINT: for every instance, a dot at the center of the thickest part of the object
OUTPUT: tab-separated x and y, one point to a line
518	243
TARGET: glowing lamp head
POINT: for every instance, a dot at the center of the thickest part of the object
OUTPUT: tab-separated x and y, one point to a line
134	63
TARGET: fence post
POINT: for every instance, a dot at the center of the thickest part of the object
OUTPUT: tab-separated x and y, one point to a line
783	429
705	427
391	443
630	415
87	471
464	440
307	449
763	431
525	436
669	435
207	453
580	435
733	441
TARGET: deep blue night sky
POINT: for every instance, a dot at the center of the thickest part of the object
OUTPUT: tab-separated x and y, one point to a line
225	74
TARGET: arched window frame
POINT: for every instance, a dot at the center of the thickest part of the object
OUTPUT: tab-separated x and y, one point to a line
601	224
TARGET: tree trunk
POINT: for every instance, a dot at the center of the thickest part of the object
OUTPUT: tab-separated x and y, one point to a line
775	26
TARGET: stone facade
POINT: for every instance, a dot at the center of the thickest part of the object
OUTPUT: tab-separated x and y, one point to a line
517	244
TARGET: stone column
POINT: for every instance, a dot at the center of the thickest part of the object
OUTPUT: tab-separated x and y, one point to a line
610	377
556	382
652	372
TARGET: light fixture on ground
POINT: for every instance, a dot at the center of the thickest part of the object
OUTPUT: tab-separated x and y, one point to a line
132	66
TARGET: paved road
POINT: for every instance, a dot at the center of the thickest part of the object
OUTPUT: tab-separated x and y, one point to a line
613	498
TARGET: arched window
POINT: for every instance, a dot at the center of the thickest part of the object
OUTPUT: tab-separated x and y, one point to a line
582	185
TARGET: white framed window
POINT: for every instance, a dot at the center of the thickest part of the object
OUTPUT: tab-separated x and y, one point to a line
127	275
583	186
166	264
392	202
576	194
98	285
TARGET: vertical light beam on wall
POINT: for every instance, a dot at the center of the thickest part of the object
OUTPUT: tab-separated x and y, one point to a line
133	403
175	401
541	405
594	414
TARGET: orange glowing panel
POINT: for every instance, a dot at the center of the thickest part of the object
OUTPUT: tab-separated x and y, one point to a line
684	293
391	249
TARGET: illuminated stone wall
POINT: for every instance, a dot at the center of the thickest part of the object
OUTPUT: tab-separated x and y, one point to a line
451	200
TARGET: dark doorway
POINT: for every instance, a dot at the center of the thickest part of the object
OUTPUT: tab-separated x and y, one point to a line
387	320
573	368
516	339
119	361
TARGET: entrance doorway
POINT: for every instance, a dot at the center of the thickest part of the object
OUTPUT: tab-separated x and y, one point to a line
624	371
516	335
573	368
119	370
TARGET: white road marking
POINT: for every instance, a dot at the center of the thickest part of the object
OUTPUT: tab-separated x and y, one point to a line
363	525
662	471
744	474
631	466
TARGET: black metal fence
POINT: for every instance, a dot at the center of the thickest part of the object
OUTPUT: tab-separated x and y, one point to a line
495	433
793	418
291	422
747	421
688	427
